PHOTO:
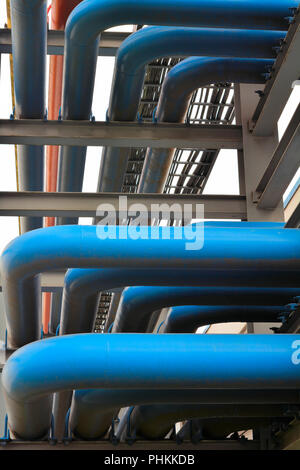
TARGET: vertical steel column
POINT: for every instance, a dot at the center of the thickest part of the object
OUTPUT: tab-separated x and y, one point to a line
257	153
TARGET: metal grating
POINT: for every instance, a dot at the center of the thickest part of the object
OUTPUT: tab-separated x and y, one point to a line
103	307
191	168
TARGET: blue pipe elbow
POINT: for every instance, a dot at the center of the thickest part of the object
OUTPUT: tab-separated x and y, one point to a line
229	256
134	54
210	362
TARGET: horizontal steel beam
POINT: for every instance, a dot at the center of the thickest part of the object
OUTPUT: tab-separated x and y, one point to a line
282	167
109	42
51	281
121	134
279	85
42	204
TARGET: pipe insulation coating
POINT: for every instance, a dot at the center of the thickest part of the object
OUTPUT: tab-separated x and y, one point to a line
143	361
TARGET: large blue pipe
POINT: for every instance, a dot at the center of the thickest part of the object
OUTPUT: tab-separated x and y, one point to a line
229	256
153	42
176	92
29	42
186	319
92	17
145	361
138	303
82	289
92	410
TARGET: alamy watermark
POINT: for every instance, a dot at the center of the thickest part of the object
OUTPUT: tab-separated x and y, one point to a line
135	221
296	353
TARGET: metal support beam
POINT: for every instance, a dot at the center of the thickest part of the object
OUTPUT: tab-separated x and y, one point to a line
279	86
85	204
282	167
109	42
258	152
51	281
121	134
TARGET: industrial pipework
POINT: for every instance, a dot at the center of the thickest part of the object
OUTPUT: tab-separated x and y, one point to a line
207	273
210	362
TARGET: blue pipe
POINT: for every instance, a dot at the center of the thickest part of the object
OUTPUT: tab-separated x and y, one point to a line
90	18
92	410
176	92
210	362
186	319
29	42
229	256
82	289
138	303
154	42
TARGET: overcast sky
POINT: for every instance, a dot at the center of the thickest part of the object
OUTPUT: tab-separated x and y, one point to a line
217	184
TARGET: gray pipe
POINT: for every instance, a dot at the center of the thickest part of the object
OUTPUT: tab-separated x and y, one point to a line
29	41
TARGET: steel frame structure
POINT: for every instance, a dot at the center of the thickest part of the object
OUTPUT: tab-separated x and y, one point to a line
208	129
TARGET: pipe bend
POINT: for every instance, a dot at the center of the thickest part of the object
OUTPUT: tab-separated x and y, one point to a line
28	384
194	72
241	257
92	17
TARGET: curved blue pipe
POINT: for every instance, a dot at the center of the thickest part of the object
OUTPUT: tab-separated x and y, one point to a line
138	303
229	256
82	289
90	18
29	42
210	362
186	319
154	42
178	86
92	410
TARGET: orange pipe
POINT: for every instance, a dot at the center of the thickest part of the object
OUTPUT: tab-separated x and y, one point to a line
59	14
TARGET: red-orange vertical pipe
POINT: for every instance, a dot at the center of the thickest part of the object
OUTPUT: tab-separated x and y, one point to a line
60	10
